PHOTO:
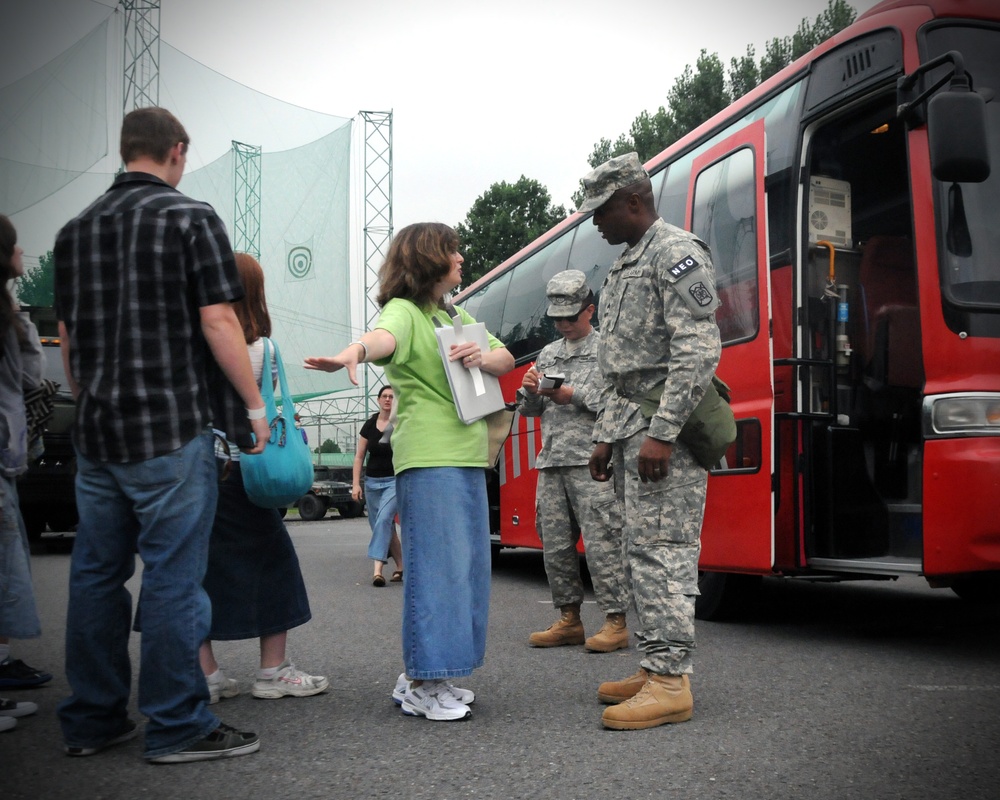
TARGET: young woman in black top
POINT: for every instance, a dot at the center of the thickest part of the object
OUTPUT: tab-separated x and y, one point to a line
379	489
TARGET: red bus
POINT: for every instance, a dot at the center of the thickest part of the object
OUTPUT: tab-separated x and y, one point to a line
851	214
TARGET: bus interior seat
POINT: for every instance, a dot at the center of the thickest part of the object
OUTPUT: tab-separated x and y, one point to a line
889	339
890	358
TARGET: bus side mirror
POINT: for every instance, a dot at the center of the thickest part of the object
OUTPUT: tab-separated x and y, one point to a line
957	134
956	118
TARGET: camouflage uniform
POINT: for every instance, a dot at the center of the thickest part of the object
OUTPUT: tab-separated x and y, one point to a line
658	325
565	487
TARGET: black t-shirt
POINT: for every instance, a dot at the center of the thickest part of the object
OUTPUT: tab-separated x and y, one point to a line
379	463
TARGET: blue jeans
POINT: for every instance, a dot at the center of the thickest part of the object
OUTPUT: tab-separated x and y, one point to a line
164	507
18	615
380	498
444	515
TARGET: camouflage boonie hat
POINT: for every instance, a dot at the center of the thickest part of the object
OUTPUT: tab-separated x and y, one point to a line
614	174
567	291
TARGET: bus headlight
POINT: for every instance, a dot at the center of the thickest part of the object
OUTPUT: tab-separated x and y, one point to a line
962	414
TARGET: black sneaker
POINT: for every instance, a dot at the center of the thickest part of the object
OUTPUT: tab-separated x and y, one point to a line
224	742
128	732
18	675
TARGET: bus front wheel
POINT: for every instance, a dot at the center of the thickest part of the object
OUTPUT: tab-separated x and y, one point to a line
723	594
984	588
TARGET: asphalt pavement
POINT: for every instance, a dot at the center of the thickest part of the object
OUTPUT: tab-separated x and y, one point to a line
862	690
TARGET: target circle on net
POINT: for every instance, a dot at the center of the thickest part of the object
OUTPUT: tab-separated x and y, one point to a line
300	261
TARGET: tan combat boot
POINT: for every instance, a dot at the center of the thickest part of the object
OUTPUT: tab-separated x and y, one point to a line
567	630
613	635
664	698
620	691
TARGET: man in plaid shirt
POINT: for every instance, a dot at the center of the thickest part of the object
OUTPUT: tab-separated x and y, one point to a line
144	280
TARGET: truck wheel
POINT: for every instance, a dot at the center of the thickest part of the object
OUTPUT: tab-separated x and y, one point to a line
350	510
311	508
62	518
34	521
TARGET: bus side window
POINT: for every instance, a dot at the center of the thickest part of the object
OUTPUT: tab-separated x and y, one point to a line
592	256
525	329
725	218
673	198
487	304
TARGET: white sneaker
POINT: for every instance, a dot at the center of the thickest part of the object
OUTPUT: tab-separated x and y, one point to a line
289	682
222	688
15	708
465	696
435	701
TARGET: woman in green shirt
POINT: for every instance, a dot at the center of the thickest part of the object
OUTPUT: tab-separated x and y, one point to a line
440	465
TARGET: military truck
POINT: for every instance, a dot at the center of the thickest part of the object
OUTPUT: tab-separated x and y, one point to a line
329	490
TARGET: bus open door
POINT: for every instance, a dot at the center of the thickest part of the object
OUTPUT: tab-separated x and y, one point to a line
726	209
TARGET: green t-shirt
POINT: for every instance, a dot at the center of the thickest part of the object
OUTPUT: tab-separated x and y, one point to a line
428	432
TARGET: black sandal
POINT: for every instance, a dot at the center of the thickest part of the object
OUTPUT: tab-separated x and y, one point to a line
378	580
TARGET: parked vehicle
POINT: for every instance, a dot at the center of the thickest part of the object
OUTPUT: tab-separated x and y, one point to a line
47	490
328	491
849	206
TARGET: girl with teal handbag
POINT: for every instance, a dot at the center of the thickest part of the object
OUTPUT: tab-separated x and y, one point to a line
283	472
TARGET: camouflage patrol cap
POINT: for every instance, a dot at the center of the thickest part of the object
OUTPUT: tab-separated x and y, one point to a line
567	291
614	174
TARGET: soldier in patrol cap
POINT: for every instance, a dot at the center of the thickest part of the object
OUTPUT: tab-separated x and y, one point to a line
658	351
565	489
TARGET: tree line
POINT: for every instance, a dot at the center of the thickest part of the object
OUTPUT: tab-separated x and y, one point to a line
507	216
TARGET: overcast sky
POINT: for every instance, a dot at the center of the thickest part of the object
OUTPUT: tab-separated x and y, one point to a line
480	92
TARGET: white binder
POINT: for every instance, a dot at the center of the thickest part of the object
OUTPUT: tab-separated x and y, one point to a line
476	393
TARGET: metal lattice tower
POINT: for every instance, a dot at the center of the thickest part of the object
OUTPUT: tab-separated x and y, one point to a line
378	211
246	191
351	410
142	54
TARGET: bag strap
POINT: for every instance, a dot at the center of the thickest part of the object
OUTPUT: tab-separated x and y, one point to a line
286	417
267	386
287	406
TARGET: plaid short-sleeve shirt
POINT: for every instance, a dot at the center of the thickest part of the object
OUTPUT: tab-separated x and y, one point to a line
131	275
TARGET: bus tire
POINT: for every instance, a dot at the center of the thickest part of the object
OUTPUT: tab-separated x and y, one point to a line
311	507
980	589
724	594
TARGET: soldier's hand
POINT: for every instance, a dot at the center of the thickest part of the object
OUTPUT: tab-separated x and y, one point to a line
530	380
562	396
654	456
600	462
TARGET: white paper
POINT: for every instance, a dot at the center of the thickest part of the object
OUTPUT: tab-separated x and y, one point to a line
476	393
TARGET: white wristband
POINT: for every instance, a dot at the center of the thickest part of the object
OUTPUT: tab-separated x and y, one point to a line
363	347
257	413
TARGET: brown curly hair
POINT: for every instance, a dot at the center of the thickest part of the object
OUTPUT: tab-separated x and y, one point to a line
418	258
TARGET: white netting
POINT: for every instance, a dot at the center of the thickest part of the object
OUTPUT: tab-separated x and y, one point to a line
58	152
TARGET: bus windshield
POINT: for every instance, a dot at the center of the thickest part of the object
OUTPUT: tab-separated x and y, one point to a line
968	232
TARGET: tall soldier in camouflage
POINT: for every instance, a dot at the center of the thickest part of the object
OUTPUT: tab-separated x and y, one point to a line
659	348
565	488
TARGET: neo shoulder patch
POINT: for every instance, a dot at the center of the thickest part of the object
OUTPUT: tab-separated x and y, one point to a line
684	266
